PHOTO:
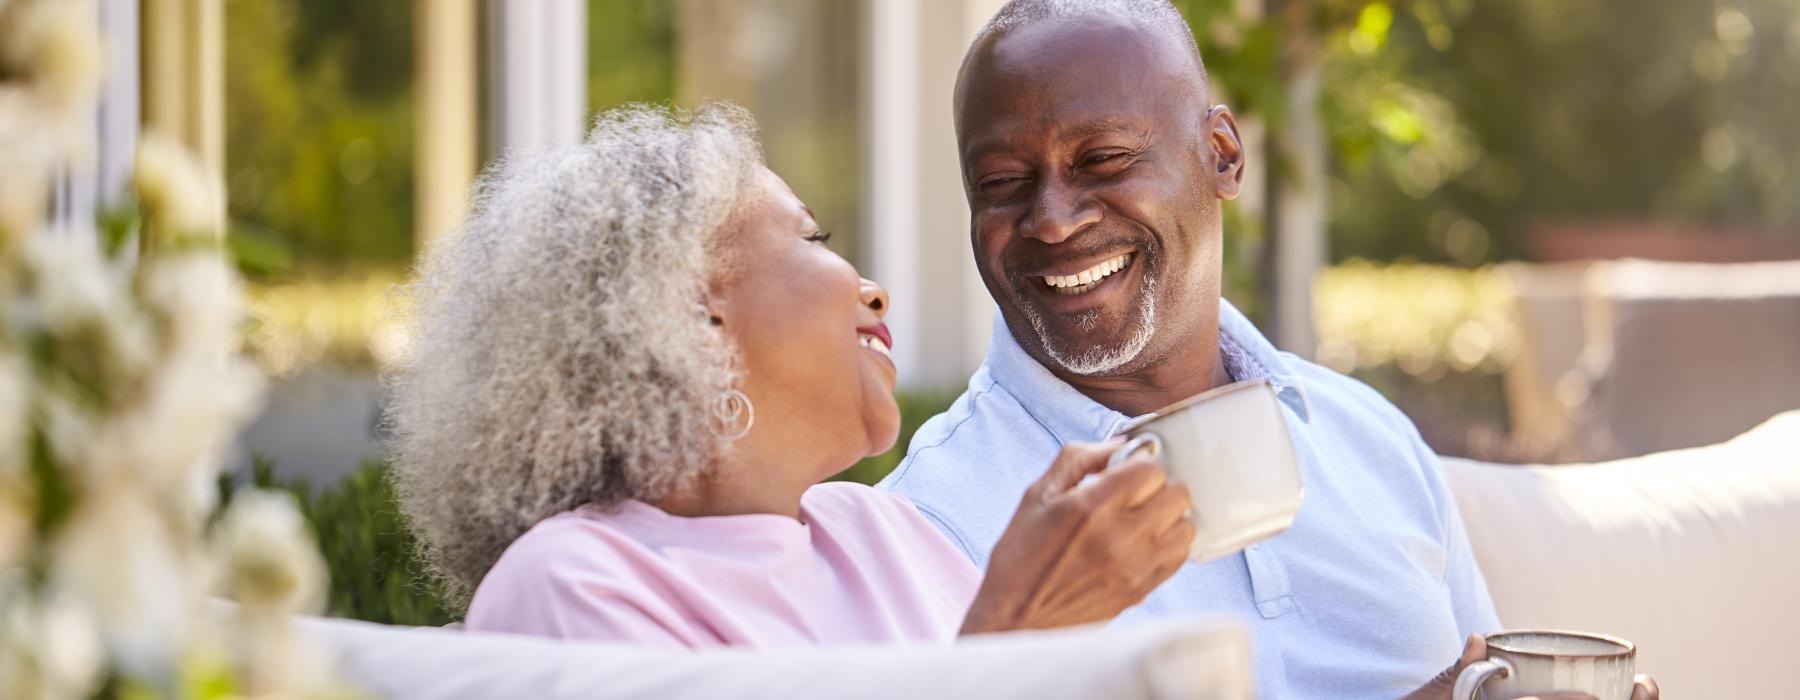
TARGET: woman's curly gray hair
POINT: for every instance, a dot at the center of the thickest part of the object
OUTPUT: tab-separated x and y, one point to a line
559	355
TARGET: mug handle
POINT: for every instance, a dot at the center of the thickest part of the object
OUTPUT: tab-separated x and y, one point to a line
1145	442
1468	683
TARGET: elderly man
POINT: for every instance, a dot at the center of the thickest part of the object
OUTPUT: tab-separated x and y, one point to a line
1095	164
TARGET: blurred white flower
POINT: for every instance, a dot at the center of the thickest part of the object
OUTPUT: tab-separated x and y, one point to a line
200	296
15	393
56	45
276	660
16	526
271	561
178	197
48	650
16	499
170	440
138	393
24	185
117	556
71	284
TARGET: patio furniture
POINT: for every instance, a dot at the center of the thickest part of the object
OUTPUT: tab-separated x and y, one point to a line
1160	660
1692	554
1627	357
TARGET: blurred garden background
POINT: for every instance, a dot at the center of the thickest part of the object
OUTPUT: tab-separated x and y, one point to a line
1549	231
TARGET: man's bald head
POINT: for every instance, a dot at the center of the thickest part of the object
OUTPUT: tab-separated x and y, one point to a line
1157	18
1094	162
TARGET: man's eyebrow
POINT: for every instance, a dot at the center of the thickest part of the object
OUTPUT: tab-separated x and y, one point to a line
1095	127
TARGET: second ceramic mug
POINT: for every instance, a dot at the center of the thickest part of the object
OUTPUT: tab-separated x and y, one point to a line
1523	663
1231	447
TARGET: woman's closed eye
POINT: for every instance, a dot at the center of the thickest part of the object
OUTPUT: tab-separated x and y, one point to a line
820	237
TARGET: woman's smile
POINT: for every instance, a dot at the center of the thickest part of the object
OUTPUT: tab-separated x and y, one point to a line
878	339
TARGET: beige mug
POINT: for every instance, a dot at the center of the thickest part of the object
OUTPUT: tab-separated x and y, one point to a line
1231	447
1523	663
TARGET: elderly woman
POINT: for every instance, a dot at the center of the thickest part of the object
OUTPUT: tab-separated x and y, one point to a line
630	371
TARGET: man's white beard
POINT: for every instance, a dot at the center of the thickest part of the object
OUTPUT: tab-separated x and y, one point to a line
1098	360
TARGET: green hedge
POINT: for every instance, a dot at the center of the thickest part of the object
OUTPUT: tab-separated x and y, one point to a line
376	572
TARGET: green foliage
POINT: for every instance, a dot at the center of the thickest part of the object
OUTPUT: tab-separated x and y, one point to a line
319	132
319	128
376	570
631	52
1535	111
1457	126
1424	319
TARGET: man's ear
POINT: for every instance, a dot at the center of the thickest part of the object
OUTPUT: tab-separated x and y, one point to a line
1225	151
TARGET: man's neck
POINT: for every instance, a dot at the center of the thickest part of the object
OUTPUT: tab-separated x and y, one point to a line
1163	381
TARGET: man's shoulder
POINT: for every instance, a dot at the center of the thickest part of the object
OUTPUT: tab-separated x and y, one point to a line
946	444
1339	400
966	468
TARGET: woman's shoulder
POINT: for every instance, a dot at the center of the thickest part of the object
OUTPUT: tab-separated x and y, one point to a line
569	543
864	508
839	496
573	575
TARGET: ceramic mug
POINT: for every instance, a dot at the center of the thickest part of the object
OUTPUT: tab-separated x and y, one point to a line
1523	663
1231	447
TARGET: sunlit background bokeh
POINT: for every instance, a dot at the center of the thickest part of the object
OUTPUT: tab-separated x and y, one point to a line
1551	232
1548	231
1429	180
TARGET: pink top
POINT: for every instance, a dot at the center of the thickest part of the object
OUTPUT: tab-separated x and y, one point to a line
864	566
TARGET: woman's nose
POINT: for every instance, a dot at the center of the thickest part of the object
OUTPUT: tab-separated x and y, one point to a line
874	297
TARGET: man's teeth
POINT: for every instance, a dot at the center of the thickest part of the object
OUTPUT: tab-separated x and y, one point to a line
874	343
1085	279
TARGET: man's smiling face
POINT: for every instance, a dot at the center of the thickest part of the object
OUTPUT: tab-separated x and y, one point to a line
1093	188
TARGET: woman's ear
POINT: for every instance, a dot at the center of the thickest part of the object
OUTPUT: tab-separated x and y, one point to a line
710	313
1227	152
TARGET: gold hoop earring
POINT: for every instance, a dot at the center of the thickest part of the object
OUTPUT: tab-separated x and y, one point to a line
732	408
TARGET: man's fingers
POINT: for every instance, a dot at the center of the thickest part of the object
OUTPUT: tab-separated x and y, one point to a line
1077	460
1475	649
1175	541
1169	504
1129	485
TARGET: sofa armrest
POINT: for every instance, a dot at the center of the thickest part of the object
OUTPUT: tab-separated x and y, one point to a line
1692	554
1166	659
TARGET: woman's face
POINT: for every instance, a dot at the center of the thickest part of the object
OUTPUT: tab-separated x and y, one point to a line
808	329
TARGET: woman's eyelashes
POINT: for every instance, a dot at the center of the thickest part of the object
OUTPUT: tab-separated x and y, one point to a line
820	237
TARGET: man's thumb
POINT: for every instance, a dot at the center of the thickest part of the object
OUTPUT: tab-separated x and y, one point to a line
1076	461
1475	649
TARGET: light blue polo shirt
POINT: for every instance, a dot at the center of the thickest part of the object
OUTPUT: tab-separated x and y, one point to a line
1368	595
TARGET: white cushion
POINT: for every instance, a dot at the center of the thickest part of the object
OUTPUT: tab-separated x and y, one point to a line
1202	660
1694	555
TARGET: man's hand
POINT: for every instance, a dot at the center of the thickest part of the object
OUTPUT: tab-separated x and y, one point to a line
1476	649
1079	552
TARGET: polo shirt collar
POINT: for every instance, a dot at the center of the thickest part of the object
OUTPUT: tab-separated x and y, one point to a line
1070	415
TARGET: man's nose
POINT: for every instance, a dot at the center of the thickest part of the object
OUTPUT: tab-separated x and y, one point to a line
1061	210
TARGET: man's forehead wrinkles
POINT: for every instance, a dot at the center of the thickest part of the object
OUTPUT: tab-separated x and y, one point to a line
1099	125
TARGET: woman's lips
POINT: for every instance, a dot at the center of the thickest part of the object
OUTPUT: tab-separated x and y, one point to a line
877	338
